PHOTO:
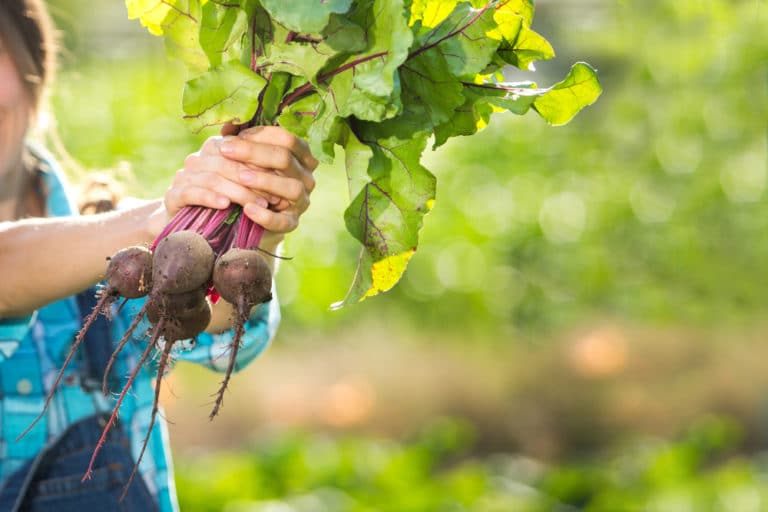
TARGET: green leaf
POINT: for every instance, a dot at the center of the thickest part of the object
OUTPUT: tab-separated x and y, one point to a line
562	101
385	25
431	13
327	129
178	21
298	117
508	26
470	51
522	8
528	48
223	29
467	119
298	59
226	93
151	13
182	35
366	86
305	16
430	92
262	28
343	35
387	213
272	96
480	102
515	97
347	100
357	157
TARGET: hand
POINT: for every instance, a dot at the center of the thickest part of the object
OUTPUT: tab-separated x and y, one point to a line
280	165
265	169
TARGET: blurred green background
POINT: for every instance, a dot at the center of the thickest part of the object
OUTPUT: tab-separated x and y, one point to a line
582	328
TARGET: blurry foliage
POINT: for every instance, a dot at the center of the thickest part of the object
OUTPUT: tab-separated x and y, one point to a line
302	473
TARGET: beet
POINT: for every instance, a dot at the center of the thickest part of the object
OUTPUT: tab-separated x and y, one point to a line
242	277
182	262
176	328
129	272
177	305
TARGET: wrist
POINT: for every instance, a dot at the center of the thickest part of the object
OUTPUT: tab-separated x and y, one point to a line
155	218
270	241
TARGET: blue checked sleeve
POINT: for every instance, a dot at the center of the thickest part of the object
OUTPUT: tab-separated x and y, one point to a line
212	350
12	331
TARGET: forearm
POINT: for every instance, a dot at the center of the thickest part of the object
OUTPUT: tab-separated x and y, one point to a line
44	260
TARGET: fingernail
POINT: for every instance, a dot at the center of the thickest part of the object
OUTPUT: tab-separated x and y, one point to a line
222	202
227	147
262	202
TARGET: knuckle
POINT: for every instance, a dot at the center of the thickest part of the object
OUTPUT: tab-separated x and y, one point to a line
227	169
191	160
171	195
187	195
266	219
281	158
245	196
289	140
249	133
258	180
210	197
210	179
211	144
296	190
310	183
180	177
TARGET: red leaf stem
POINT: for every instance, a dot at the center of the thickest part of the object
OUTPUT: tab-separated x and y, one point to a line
308	87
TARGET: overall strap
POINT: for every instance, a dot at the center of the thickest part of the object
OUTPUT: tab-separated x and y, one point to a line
97	345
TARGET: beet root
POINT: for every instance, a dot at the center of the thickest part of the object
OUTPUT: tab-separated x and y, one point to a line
161	367
126	387
182	262
176	328
175	305
129	272
242	277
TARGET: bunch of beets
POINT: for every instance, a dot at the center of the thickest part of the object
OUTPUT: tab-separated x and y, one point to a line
202	255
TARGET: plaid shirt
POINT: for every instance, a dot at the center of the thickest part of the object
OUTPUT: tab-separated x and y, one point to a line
33	348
